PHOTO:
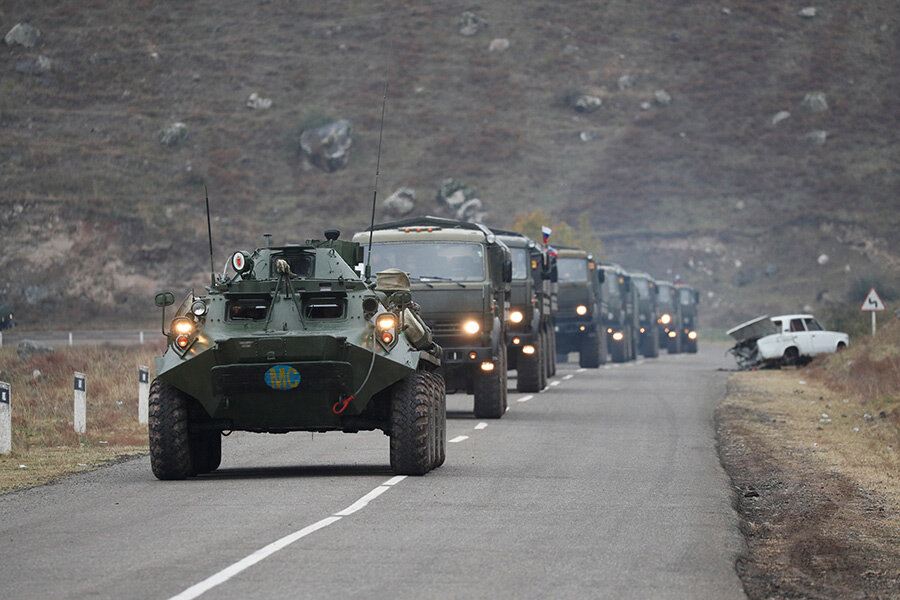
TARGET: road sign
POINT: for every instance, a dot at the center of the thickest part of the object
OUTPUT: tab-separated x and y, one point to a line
872	302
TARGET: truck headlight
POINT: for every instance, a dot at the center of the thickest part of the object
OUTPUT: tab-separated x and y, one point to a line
692	335
182	326
471	327
198	308
385	326
516	316
618	336
665	319
581	310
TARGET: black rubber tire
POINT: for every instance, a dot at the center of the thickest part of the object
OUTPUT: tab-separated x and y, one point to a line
544	364
589	355
674	345
791	357
551	351
691	346
490	389
651	347
619	353
411	424
528	375
170	451
206	451
438	389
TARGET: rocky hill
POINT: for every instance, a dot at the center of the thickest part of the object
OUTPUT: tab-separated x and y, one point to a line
749	146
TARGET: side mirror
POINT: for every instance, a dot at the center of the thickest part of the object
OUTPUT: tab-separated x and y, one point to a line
164	299
696	297
627	284
507	271
601	276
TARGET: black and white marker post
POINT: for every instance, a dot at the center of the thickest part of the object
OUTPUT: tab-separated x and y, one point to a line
80	419
143	394
5	419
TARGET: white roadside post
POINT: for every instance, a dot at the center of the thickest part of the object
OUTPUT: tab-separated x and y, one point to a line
872	304
143	394
80	403
5	419
1	339
70	339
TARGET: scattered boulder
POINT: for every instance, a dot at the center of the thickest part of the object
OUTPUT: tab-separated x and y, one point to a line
498	45
587	136
662	98
22	34
37	66
816	138
626	81
401	202
816	102
36	374
470	24
459	199
471	210
808	12
771	269
255	101
823	259
645	105
173	135
780	116
586	103
28	348
328	146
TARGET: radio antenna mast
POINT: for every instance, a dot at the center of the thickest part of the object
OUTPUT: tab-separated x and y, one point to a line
212	269
377	171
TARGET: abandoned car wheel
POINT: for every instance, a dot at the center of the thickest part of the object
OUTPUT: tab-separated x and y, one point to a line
411	424
170	452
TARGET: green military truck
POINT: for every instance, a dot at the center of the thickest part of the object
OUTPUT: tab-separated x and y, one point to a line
582	306
669	318
648	314
460	275
6	316
295	340
530	338
689	299
621	316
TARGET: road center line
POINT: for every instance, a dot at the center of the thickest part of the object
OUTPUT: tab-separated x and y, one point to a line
525	398
227	573
457	439
481	425
567	377
555	383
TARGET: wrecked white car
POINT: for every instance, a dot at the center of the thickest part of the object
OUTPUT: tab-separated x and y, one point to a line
783	340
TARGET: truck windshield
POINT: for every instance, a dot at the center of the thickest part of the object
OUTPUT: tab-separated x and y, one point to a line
572	269
665	294
455	261
520	262
643	287
686	297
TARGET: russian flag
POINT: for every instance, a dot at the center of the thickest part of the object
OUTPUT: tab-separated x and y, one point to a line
552	251
546	231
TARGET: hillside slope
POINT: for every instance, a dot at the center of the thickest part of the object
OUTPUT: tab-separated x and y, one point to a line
96	213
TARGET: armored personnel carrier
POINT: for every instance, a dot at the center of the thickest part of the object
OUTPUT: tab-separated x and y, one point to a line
460	274
582	306
295	340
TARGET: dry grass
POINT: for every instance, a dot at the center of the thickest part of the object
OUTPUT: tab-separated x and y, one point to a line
42	411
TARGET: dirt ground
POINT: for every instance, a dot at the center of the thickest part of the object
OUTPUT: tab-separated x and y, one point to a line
816	479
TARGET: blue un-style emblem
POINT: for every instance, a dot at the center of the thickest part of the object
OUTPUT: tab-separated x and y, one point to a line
282	377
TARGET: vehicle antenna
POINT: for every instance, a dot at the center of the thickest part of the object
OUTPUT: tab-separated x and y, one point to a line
375	190
212	269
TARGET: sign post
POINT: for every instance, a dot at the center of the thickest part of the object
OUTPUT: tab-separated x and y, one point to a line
5	419
143	394
872	304
80	419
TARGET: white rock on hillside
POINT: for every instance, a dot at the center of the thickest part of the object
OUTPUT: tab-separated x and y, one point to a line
22	34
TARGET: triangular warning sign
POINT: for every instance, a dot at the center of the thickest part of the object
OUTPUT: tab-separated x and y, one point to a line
872	302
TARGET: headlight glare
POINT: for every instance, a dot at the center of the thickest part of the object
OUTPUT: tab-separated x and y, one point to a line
665	319
516	316
182	326
471	327
386	321
581	310
618	336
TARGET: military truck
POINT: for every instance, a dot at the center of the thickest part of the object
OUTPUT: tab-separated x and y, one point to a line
295	340
621	316
582	306
669	318
460	274
648	314
530	341
688	298
6	316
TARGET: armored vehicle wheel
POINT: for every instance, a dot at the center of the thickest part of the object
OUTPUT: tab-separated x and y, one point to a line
440	404
589	357
530	369
490	389
170	452
206	451
411	424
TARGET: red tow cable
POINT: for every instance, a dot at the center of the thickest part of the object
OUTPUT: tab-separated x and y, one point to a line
341	405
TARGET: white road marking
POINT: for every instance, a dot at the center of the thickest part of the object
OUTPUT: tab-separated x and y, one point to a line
554	383
581	370
457	439
481	425
525	398
567	377
227	573
607	366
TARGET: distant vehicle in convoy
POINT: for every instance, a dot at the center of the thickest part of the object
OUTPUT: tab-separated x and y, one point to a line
6	316
669	317
582	306
783	340
687	334
295	340
621	316
530	336
460	275
648	314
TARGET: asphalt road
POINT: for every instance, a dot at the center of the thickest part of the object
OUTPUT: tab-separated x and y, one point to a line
605	485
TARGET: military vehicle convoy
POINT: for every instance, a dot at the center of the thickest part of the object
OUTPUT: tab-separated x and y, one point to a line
295	340
6	316
621	317
648	314
582	308
530	336
688	298
460	275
